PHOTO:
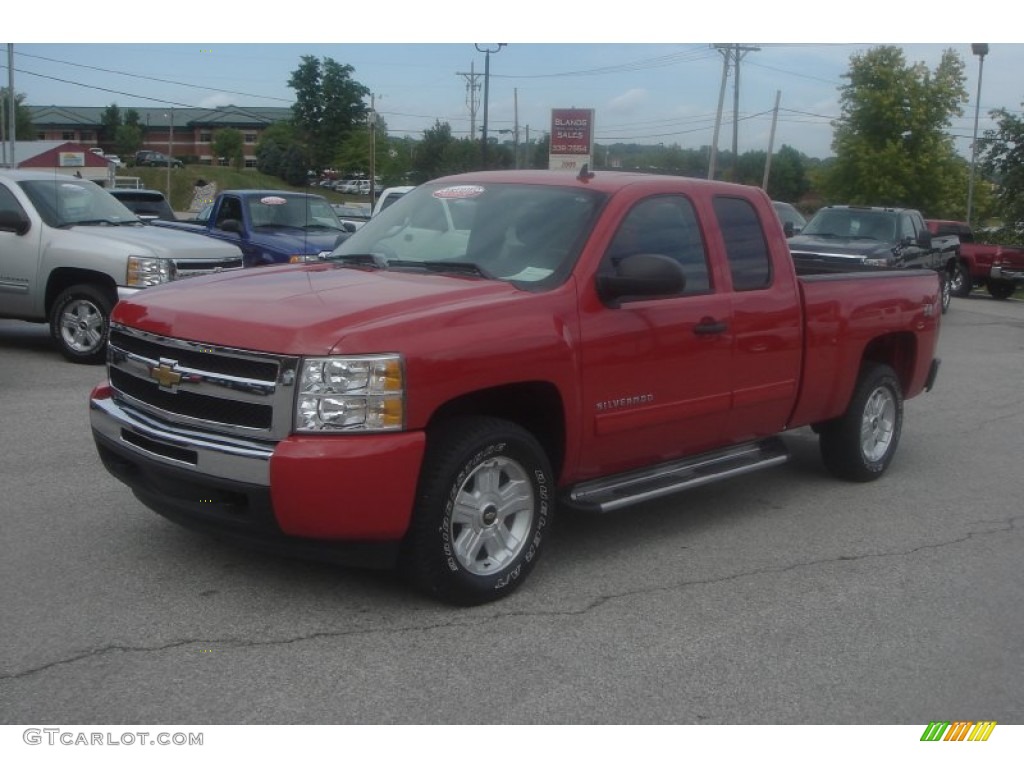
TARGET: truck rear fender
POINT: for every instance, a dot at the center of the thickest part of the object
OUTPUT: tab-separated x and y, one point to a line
66	277
898	351
536	406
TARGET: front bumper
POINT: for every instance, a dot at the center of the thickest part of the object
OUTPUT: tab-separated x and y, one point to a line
340	498
1015	274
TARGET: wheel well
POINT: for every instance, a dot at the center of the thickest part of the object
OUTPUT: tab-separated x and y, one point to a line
66	277
898	351
536	406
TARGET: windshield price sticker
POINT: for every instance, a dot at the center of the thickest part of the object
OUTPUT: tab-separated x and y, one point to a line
460	192
273	201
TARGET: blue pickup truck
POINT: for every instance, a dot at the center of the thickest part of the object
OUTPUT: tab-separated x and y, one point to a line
271	226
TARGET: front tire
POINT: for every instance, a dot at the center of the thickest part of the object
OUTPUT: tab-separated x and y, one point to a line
946	290
861	443
484	506
960	280
1001	289
80	323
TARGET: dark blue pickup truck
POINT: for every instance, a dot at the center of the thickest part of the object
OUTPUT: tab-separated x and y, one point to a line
270	226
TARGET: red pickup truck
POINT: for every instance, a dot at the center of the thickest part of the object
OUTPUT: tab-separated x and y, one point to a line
999	268
494	345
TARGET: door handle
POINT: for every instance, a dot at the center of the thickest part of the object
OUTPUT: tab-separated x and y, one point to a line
709	326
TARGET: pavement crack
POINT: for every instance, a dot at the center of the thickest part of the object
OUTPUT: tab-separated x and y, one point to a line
990	527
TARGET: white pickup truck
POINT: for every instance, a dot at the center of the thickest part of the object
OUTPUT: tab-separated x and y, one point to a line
69	251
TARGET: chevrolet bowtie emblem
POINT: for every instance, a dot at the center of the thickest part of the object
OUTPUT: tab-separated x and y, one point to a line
165	375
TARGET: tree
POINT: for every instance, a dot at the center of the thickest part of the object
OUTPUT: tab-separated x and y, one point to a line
23	129
328	106
429	160
1002	156
787	179
891	144
269	158
891	141
229	143
110	121
295	166
128	140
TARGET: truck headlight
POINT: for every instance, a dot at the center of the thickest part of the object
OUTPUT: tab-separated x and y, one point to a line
146	270
364	393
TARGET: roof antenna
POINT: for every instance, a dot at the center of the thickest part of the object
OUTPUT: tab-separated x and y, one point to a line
585	174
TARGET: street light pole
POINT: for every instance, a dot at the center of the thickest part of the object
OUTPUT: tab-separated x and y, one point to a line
980	50
487	81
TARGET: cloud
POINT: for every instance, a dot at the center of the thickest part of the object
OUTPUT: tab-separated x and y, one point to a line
629	101
216	100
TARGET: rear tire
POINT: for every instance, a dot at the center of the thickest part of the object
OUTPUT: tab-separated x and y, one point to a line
80	323
861	443
1001	289
484	506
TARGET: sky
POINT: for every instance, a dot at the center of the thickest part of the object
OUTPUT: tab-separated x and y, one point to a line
626	63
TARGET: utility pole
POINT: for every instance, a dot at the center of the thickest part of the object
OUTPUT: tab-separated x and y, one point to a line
472	97
515	128
726	54
735	52
771	142
371	123
487	84
12	113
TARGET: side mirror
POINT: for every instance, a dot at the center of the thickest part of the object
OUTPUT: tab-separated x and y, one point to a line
788	229
348	226
231	225
924	238
641	275
14	221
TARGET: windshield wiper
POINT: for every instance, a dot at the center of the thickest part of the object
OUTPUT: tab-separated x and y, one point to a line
92	223
460	267
362	259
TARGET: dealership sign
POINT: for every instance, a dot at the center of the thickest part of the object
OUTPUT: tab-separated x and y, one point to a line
71	159
572	139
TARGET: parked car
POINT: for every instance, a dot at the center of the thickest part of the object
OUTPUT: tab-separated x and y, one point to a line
430	398
155	159
271	226
142	155
147	204
854	238
792	220
999	268
69	251
355	214
389	197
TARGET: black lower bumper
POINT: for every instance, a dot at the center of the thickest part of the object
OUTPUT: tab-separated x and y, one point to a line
242	513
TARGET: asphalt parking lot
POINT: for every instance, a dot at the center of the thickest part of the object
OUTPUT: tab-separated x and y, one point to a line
785	597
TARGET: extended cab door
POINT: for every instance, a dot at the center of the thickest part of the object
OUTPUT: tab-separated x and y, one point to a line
19	262
656	372
767	318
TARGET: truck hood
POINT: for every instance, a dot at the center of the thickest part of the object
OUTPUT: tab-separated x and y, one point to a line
840	246
299	241
158	241
304	309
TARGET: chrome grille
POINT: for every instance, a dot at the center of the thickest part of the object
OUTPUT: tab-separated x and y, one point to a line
197	267
192	384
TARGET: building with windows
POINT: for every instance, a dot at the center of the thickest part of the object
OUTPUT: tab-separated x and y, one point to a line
184	133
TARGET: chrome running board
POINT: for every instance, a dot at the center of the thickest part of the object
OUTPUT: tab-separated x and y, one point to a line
607	494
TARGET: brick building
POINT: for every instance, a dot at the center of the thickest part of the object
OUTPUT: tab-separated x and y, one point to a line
192	128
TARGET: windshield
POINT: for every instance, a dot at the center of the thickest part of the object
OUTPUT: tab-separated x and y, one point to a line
525	234
293	211
69	202
853	223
